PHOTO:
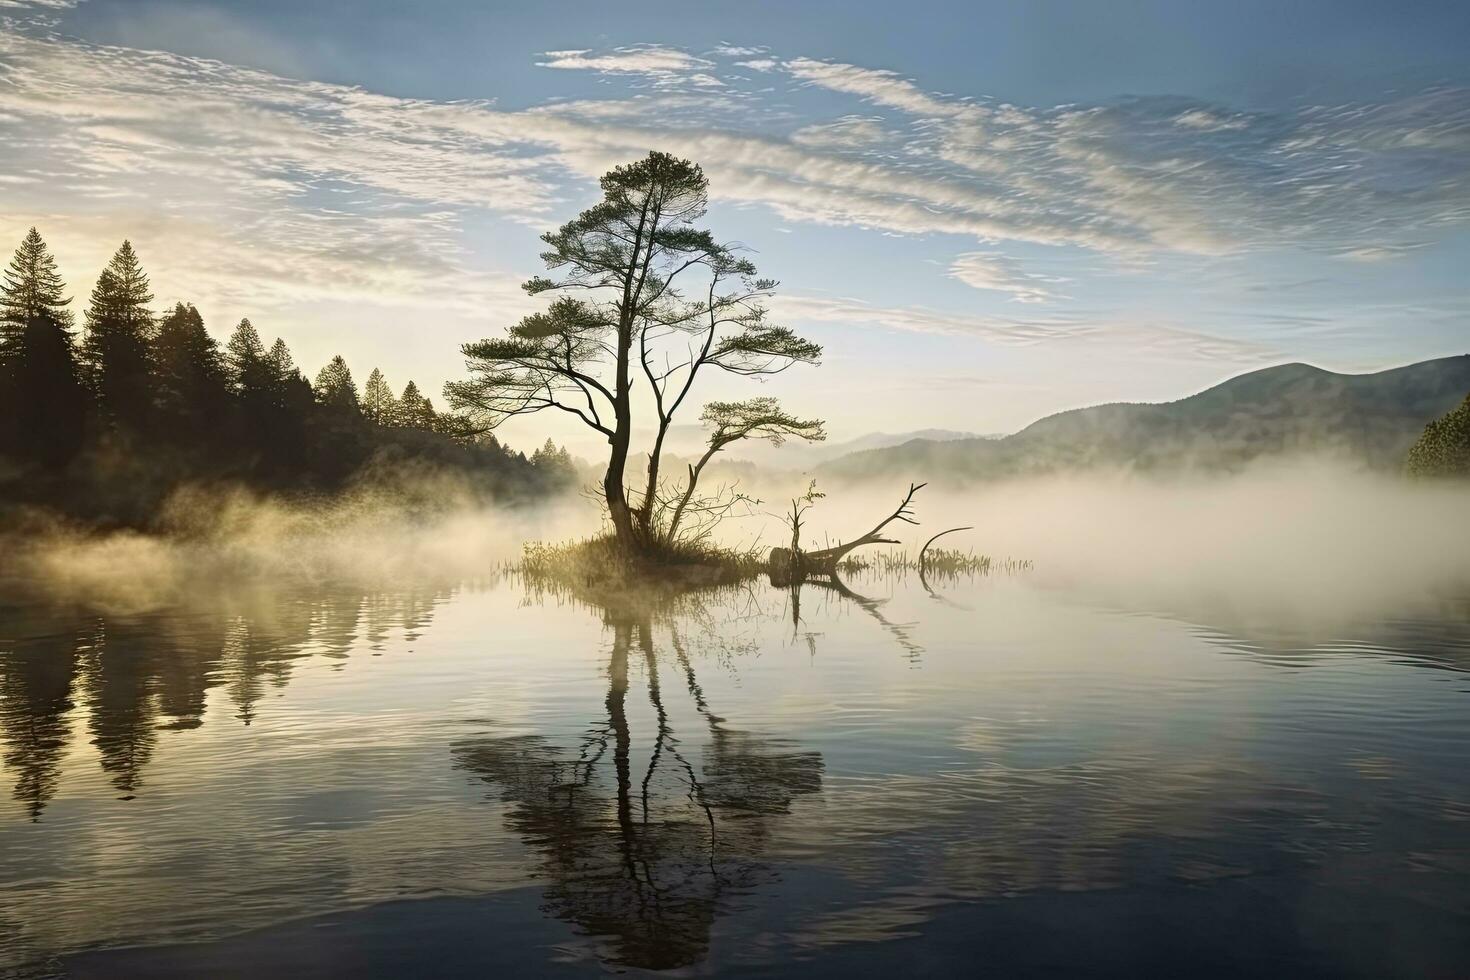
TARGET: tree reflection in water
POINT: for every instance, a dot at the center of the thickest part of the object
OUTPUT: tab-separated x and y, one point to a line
646	854
136	676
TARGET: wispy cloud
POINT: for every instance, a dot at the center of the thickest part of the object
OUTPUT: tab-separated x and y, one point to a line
738	51
885	88
257	184
1380	253
995	272
649	60
849	132
1204	119
1147	339
1169	173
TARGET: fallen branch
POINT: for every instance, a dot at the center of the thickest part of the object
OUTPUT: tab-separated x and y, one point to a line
792	563
968	527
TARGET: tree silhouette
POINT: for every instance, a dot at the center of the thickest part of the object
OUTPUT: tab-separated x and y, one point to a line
622	310
43	397
115	350
414	411
282	367
174	409
29	286
189	389
378	401
245	362
335	389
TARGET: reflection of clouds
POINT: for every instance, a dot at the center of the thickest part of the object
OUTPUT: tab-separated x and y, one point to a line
1043	748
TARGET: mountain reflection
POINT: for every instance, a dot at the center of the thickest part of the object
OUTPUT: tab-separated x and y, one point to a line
134	677
646	849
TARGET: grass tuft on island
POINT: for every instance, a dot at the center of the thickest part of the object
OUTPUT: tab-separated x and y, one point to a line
598	570
936	561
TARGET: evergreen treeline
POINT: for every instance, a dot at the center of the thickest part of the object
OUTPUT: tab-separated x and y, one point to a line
1444	448
104	420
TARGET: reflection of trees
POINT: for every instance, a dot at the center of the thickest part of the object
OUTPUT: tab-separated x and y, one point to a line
119	686
136	676
645	852
36	677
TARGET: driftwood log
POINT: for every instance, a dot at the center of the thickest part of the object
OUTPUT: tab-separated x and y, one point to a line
788	564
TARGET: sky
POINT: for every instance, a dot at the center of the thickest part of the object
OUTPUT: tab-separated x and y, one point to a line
986	212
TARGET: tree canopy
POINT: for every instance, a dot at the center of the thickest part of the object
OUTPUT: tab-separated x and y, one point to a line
30	285
335	388
378	401
115	350
1444	448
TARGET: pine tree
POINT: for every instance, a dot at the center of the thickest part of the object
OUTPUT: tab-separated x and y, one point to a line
46	401
546	455
246	368
414	410
282	364
378	403
189	374
30	286
335	389
116	348
556	463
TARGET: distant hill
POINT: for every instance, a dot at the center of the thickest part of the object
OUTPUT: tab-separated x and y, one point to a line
1291	408
688	441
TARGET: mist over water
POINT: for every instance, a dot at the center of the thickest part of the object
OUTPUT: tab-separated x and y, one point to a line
1309	540
1305	541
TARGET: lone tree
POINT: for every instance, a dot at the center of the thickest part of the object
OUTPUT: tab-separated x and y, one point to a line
639	291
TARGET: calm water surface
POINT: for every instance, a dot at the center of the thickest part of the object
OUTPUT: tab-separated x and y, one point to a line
474	777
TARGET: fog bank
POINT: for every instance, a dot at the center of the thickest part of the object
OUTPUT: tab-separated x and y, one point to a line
1309	538
1312	540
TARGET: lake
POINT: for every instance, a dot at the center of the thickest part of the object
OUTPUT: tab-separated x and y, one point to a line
1002	775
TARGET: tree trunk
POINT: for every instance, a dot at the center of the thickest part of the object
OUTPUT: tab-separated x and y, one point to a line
616	494
614	483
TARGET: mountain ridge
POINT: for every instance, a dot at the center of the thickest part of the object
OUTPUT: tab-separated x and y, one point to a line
1278	410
